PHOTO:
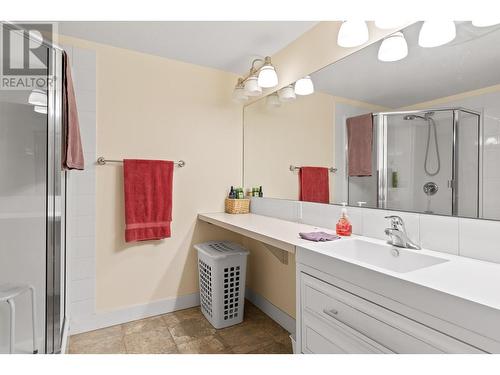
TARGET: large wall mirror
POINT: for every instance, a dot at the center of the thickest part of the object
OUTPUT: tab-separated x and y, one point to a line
419	134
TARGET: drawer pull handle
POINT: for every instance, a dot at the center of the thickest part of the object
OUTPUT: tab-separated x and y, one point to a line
331	312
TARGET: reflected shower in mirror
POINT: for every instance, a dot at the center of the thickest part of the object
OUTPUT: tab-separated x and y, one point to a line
419	134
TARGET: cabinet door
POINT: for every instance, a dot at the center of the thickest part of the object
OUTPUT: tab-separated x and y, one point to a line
390	330
319	337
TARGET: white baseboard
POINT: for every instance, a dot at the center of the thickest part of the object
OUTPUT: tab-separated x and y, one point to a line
111	318
275	313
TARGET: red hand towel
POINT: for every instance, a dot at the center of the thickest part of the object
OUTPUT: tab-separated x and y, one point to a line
148	199
314	185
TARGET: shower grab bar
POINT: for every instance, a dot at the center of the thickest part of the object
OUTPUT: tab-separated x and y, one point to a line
294	168
102	161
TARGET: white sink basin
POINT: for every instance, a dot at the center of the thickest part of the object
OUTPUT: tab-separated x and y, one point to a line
385	256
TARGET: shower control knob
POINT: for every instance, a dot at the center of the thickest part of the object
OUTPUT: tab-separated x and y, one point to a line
431	188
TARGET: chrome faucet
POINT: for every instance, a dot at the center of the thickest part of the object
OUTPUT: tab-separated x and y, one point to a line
398	235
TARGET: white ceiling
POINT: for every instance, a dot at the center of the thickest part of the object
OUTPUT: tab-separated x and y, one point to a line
470	62
229	46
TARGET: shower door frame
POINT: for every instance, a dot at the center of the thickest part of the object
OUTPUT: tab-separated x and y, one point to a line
56	218
382	178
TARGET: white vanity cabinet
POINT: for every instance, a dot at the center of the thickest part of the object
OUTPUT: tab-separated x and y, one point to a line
360	295
336	321
335	316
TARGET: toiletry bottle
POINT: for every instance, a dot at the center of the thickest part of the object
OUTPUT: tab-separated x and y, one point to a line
344	227
232	194
240	193
261	193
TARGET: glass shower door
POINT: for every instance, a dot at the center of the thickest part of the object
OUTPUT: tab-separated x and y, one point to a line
23	208
32	204
419	161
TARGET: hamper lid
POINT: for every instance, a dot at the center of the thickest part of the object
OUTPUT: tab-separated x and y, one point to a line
220	249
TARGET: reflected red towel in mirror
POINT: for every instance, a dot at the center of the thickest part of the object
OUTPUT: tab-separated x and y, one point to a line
148	199
314	184
359	145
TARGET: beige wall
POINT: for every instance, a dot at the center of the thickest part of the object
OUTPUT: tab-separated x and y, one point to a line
270	277
152	107
298	133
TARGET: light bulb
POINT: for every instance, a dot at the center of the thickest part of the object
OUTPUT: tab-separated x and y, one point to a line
436	33
252	87
393	48
304	86
267	77
352	34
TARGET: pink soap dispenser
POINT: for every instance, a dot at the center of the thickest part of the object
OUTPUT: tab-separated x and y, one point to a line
344	227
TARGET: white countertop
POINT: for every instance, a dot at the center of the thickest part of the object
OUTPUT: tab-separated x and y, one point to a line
473	280
470	279
276	232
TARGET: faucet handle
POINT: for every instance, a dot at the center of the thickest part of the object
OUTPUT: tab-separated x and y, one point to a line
395	221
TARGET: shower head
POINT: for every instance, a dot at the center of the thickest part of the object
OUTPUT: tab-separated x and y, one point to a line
411	117
424	117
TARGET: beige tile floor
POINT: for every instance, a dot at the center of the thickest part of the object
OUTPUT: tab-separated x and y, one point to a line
186	331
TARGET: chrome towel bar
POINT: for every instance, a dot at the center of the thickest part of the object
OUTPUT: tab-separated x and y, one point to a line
102	161
294	168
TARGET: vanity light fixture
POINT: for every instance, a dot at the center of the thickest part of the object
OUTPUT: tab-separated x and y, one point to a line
239	95
252	87
267	74
393	48
38	97
286	94
258	77
352	34
485	23
40	109
436	33
273	101
304	86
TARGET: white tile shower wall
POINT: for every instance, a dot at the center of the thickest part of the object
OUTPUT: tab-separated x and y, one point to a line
488	105
473	238
81	193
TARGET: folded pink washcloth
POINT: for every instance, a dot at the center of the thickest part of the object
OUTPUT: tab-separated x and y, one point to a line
319	236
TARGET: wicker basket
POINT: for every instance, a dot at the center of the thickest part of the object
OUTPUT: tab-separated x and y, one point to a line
237	206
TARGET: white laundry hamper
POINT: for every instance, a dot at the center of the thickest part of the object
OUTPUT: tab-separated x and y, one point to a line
222	271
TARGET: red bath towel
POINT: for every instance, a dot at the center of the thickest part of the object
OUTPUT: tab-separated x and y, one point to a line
359	145
148	199
72	155
314	185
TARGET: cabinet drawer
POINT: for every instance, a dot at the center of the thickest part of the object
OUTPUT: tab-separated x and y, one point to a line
321	338
389	329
